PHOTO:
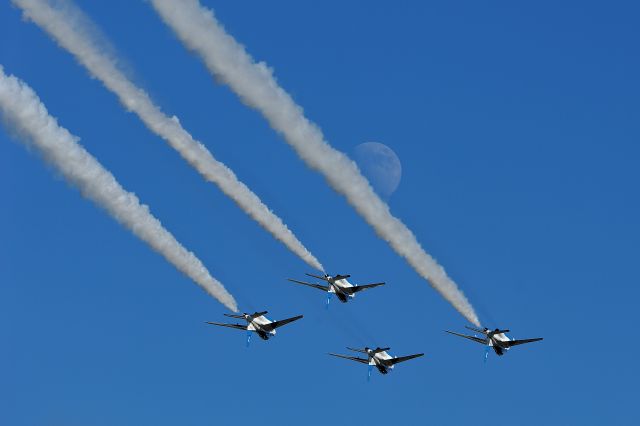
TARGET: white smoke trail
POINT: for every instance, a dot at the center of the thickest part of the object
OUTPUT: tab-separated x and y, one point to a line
228	61
72	30
24	112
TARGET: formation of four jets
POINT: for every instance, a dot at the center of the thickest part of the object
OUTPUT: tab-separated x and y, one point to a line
379	358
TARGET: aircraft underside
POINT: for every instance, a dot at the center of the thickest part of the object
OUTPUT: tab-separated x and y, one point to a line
262	334
342	297
382	369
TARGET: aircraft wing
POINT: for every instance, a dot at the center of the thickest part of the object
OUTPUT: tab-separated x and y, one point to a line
520	342
276	324
238	326
394	361
318	286
352	358
475	339
357	288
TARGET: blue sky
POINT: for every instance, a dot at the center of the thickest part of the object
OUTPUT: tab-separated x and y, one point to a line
518	134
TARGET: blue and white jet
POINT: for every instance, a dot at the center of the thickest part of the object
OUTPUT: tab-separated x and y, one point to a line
337	285
257	323
496	339
378	358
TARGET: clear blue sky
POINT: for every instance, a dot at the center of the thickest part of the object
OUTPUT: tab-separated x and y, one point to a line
517	128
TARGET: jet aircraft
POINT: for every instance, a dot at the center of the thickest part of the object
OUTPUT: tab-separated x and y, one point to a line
378	358
496	339
257	323
337	285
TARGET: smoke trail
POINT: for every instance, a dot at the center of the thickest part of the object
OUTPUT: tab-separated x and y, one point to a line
24	111
228	61
75	33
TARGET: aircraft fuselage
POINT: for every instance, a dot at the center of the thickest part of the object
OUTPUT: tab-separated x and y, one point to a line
337	287
497	342
257	325
380	361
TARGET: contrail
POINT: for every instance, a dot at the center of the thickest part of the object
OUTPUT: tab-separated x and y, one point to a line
73	30
254	83
23	111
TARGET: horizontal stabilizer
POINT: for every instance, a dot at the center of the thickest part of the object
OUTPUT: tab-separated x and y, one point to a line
238	326
234	316
318	277
352	358
475	339
341	277
362	351
475	329
378	350
318	286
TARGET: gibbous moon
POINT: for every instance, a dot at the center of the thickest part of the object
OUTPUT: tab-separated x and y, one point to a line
380	165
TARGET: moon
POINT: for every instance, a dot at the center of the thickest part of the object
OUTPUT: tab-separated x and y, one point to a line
380	165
